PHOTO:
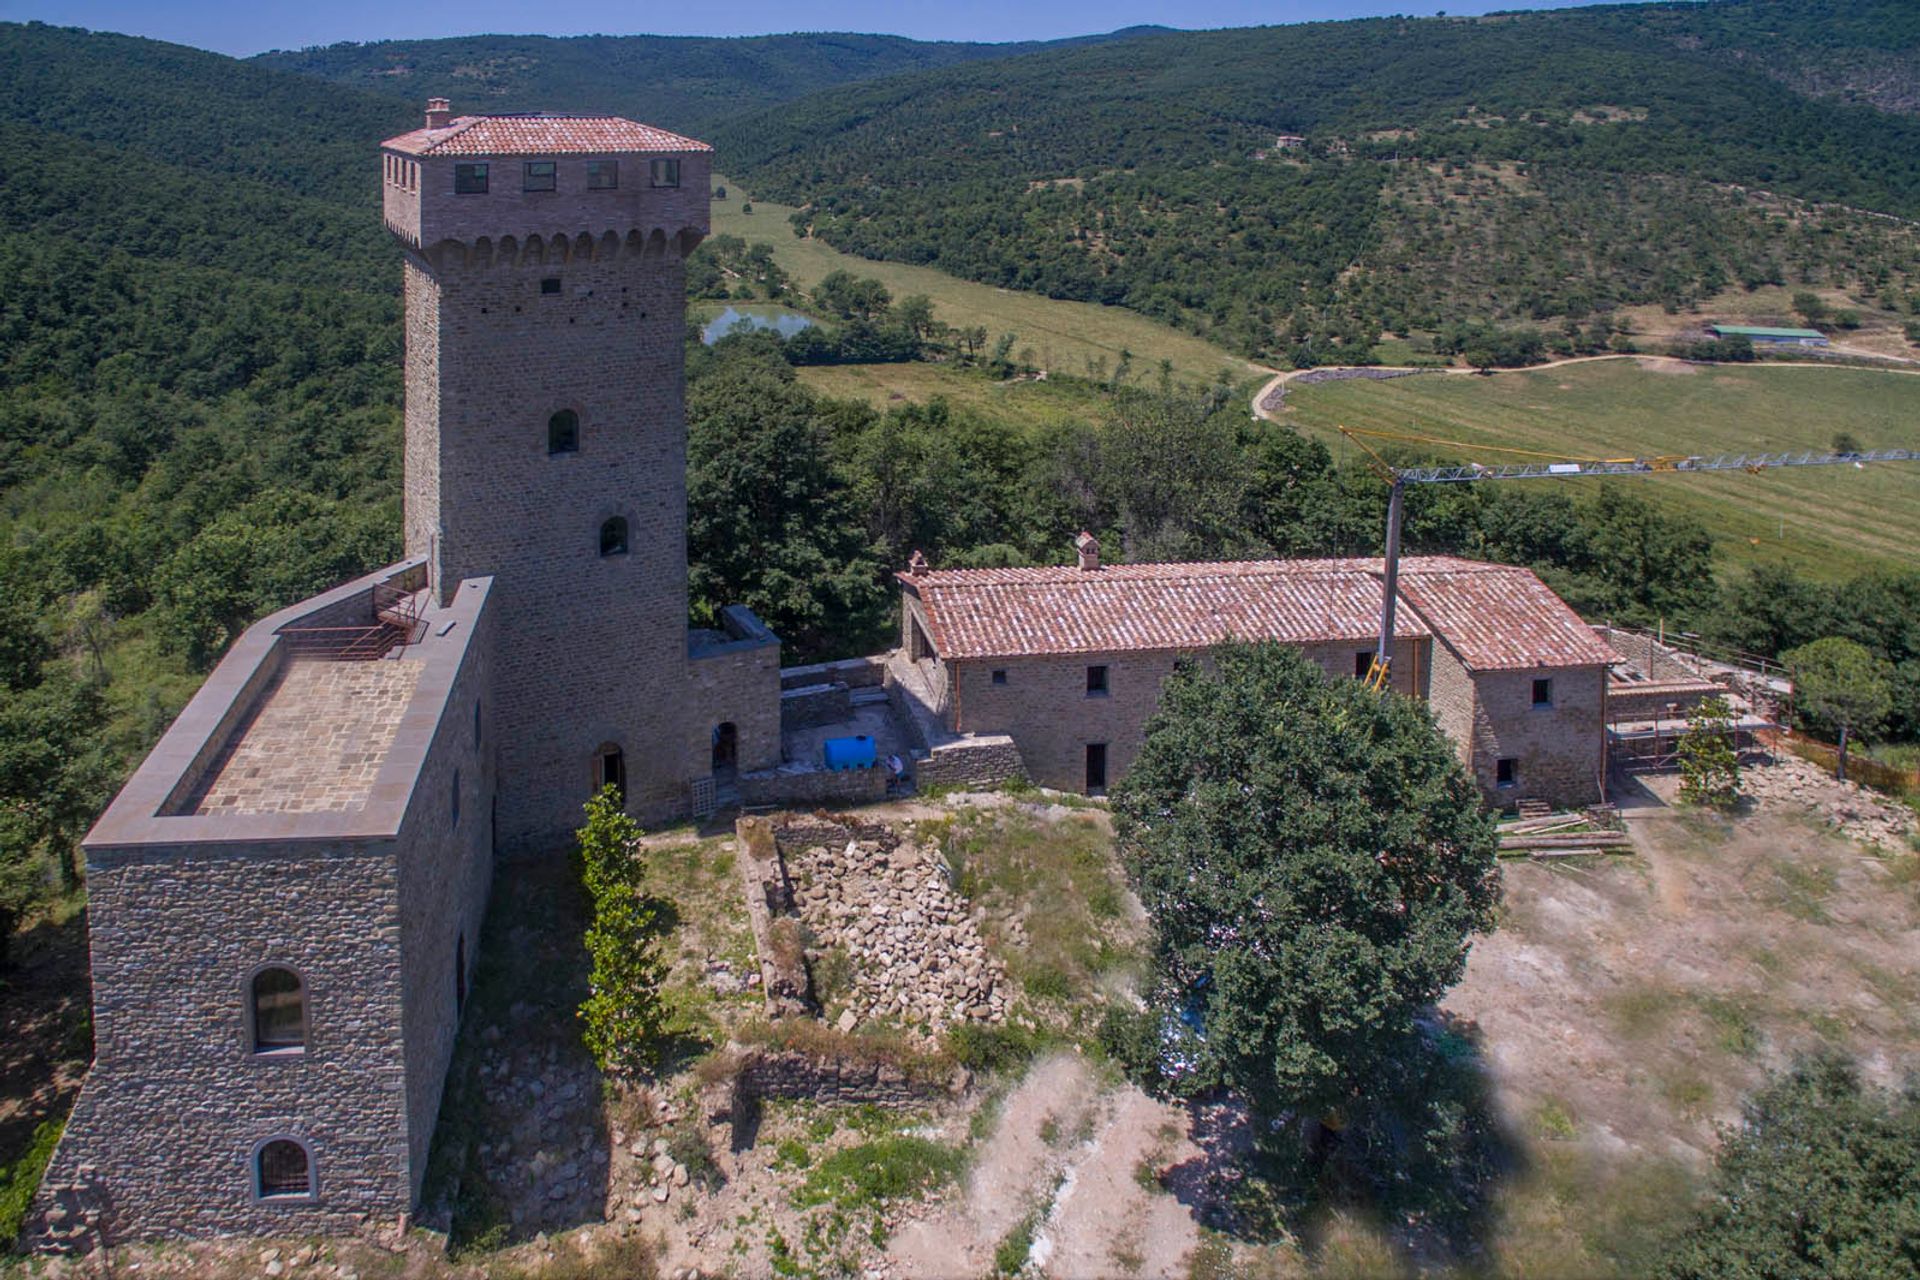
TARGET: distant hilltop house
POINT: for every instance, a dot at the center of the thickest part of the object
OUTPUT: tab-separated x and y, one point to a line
1763	335
1290	141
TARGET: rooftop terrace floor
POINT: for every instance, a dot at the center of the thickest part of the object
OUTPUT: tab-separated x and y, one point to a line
316	741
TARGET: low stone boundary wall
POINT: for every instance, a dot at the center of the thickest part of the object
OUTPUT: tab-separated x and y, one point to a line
748	1074
1654	702
811	705
1278	396
809	788
776	930
985	761
855	673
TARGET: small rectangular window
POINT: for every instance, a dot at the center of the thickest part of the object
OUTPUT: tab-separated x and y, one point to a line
1362	663
470	179
538	175
1096	682
550	285
666	173
1096	766
1543	693
603	175
1505	770
1000	675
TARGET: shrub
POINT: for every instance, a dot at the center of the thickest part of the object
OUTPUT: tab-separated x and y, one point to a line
876	1172
1709	767
622	1012
983	1048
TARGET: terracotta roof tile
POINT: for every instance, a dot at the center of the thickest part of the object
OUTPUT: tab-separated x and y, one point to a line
1494	616
1502	618
1024	612
540	135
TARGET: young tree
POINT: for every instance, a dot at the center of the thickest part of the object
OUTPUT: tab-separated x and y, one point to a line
622	1012
1709	766
1314	860
1812	308
1821	1180
1843	685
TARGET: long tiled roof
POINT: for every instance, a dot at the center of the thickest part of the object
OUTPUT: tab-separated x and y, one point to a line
1500	617
1494	616
1023	612
540	135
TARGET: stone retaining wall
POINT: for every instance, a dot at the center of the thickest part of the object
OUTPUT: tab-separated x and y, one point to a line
855	673
809	706
985	761
807	788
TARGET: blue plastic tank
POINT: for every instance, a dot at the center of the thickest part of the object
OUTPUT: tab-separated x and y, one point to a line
850	753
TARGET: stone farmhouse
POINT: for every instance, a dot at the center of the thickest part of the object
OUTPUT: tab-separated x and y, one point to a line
286	897
1068	662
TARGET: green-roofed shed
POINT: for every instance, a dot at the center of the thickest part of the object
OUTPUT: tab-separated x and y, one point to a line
1764	333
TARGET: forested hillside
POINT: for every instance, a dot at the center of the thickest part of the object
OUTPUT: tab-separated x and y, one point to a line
684	83
1610	144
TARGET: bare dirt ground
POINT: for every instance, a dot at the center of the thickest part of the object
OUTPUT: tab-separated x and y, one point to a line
1070	1169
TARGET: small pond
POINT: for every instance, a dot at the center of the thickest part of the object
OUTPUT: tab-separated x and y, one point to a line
784	323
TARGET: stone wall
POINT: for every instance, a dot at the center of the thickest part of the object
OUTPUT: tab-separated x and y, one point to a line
810	787
598	643
1044	706
1627	703
812	705
971	762
856	673
445	856
768	893
737	681
161	1142
1559	750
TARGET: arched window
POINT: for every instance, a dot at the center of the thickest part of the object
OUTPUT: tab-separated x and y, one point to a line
610	770
279	1008
613	537
455	804
563	432
282	1170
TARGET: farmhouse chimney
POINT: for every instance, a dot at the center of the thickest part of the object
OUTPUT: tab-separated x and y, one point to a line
1089	548
439	113
917	563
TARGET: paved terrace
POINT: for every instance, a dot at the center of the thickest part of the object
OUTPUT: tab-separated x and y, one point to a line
317	740
280	744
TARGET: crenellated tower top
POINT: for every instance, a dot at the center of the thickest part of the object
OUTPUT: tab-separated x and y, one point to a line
495	185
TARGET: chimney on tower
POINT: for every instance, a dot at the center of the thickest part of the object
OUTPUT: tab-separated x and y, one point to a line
917	563
439	113
1089	548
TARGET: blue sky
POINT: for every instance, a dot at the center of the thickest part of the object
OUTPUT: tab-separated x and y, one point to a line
250	26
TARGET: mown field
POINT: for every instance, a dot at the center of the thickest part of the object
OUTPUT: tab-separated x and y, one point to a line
1069	336
1827	522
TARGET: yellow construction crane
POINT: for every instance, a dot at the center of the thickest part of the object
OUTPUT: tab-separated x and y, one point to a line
1545	466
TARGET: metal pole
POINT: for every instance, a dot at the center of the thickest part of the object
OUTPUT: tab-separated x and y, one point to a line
1384	654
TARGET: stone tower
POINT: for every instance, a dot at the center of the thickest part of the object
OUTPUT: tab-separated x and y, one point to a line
546	443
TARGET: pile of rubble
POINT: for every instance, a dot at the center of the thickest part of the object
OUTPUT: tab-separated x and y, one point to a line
916	953
1846	807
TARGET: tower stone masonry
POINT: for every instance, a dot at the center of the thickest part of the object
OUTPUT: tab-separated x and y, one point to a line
546	446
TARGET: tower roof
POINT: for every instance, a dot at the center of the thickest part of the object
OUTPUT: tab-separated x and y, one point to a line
540	135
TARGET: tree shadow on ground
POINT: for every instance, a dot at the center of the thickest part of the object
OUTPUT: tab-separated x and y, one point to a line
1420	1159
522	1145
46	1028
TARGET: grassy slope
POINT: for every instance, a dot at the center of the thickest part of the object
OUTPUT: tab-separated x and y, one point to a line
1063	335
1836	520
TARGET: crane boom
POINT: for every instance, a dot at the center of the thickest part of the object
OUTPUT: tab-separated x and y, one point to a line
1749	462
1542	466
